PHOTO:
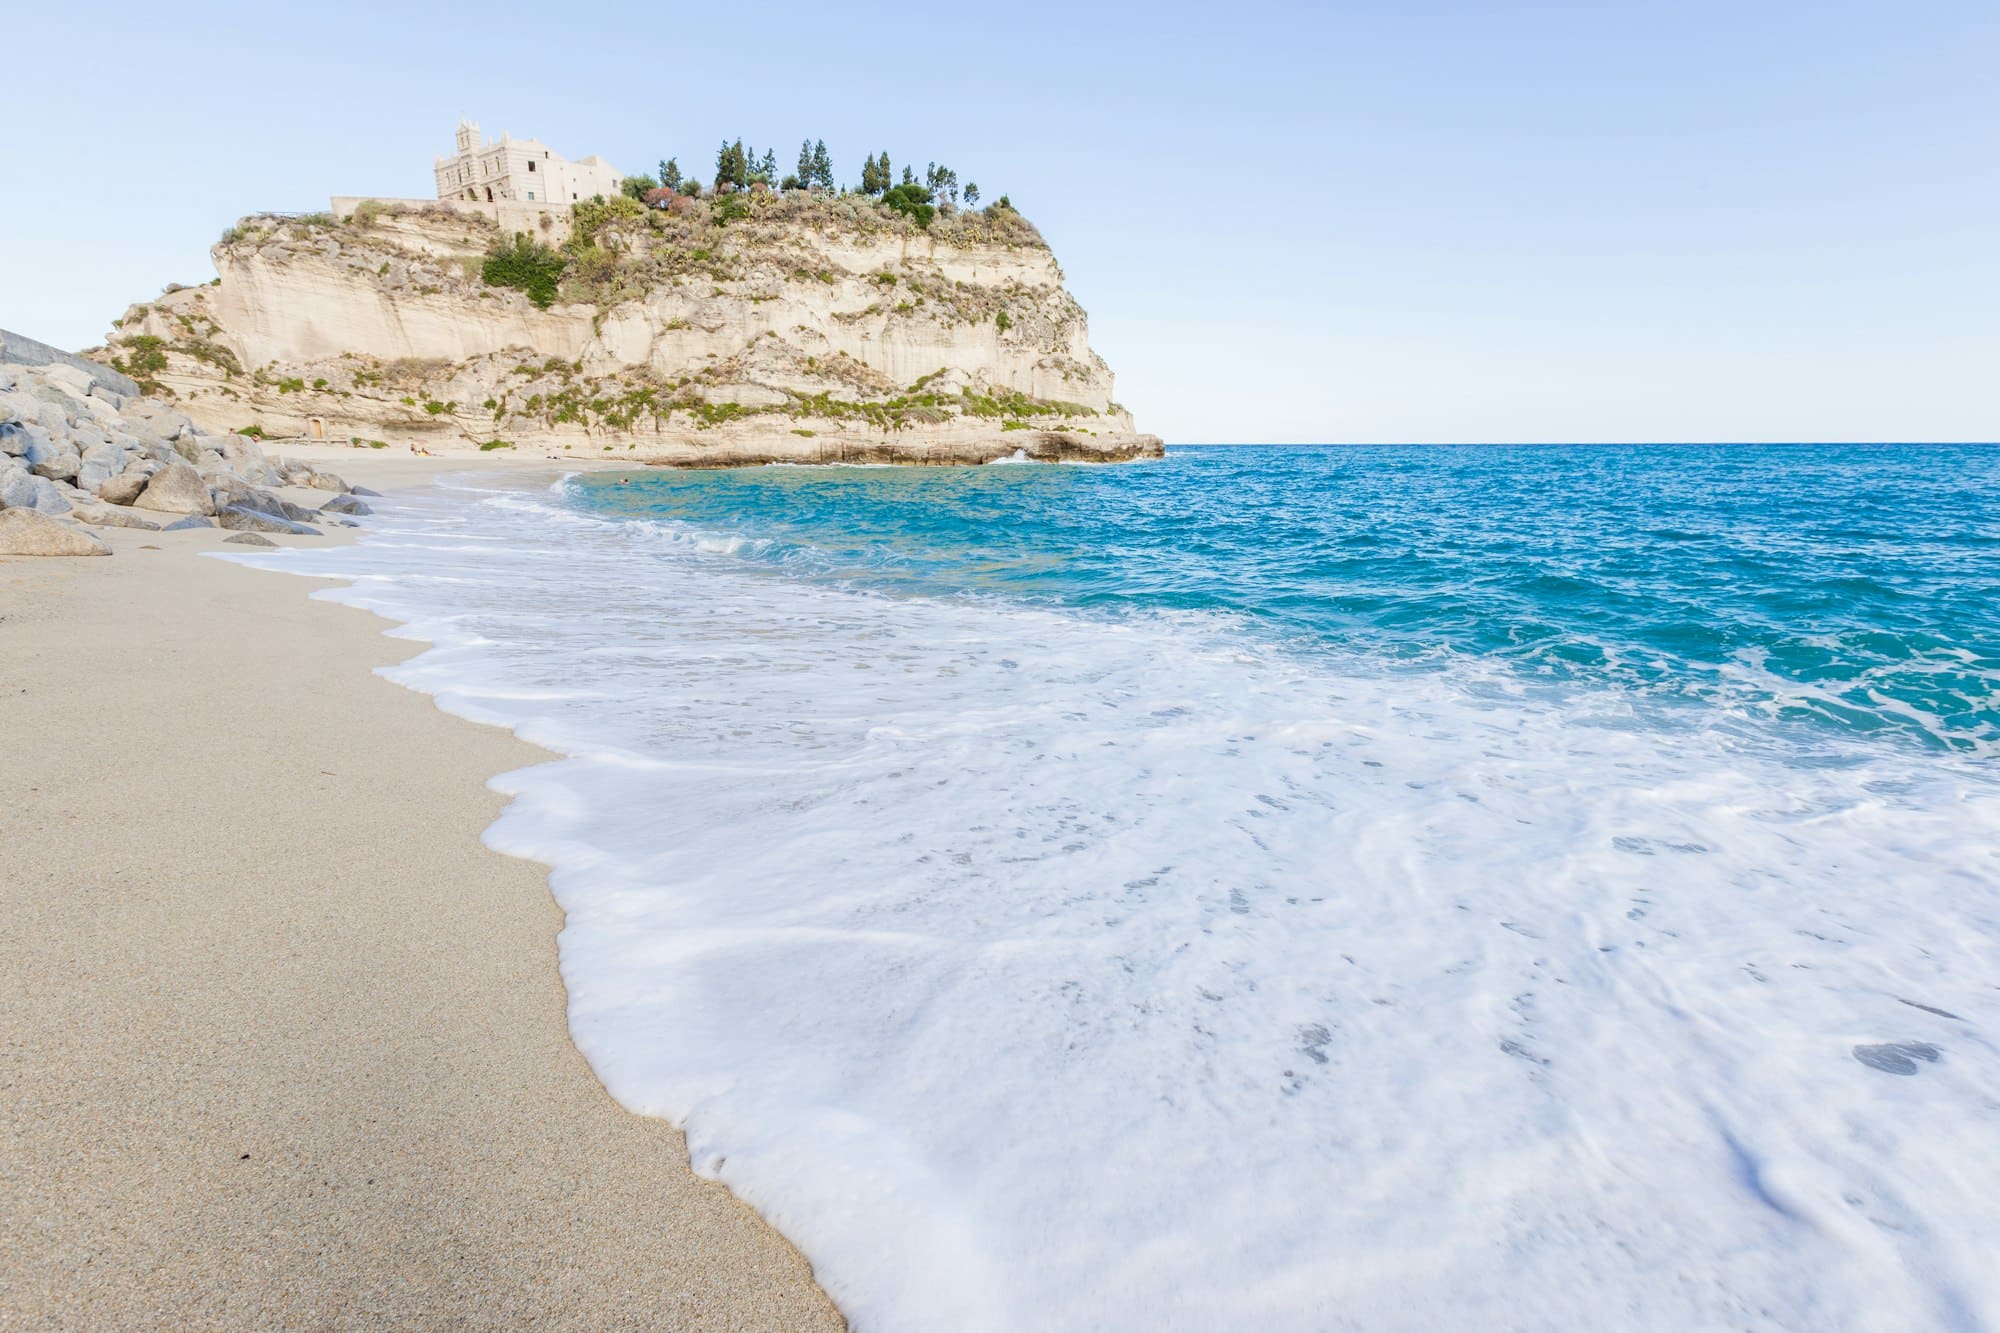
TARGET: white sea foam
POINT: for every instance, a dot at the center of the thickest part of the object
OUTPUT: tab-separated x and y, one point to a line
1036	971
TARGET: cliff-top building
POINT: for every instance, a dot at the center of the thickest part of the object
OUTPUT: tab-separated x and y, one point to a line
522	170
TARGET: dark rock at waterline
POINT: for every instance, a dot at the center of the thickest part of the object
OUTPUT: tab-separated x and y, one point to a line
240	519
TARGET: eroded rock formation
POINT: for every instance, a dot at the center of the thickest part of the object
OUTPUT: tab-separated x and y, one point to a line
801	327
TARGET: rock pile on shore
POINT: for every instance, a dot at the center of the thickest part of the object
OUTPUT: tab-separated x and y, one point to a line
77	453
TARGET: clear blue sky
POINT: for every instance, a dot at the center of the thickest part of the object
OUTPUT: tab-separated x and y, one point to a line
1602	221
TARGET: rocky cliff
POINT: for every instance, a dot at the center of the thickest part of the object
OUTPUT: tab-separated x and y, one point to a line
797	327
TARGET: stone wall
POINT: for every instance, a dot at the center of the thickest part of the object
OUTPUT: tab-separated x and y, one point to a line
20	351
548	223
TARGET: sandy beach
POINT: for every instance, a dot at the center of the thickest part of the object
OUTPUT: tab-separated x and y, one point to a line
284	1044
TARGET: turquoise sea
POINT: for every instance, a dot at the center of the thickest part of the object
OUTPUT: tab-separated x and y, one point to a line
1857	587
1526	887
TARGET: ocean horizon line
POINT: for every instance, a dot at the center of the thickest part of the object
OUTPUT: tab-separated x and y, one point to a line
1585	444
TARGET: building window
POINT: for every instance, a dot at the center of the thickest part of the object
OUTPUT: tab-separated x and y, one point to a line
531	165
531	196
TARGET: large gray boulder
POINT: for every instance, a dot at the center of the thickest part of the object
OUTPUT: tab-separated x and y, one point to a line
189	521
100	464
248	461
85	436
176	489
156	417
344	504
234	491
124	488
61	464
25	532
17	486
327	481
48	497
27	441
249	539
240	519
157	449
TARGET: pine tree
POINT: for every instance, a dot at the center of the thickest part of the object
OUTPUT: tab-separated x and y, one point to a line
805	172
909	176
822	166
972	194
868	174
885	175
670	174
768	168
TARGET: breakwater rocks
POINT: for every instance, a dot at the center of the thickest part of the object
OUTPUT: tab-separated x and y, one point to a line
77	454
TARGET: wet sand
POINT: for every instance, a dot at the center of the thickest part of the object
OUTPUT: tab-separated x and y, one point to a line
281	1043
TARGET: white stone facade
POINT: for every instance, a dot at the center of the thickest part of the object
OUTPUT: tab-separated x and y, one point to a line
519	170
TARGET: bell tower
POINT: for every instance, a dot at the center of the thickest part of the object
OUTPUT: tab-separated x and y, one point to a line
468	136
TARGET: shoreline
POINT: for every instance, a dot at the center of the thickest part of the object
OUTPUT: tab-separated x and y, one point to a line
288	1043
734	450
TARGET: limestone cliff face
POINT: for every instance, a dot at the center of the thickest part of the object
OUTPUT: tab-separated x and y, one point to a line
796	327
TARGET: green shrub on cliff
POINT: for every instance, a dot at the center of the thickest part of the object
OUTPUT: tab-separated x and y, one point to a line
595	214
145	355
912	200
526	265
